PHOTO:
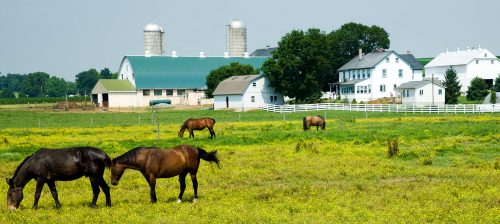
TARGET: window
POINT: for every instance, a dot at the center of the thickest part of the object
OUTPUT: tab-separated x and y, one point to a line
254	84
384	73
400	73
369	88
421	92
180	92
397	60
252	98
170	92
492	61
477	62
275	98
271	98
358	89
387	60
122	76
368	71
485	55
440	91
157	92
364	74
382	88
394	86
145	92
406	93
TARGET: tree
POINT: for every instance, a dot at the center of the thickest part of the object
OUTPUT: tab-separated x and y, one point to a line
106	74
7	93
33	84
451	86
478	89
71	88
345	42
493	97
86	80
496	87
218	75
55	87
300	65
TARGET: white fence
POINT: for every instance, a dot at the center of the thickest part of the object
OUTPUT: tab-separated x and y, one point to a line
395	108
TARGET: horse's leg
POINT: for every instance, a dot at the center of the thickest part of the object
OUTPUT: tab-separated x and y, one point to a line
191	133
38	191
212	133
317	128
95	191
105	188
195	185
53	191
152	188
182	184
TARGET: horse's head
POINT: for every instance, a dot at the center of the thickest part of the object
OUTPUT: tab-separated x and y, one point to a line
116	172
181	133
14	195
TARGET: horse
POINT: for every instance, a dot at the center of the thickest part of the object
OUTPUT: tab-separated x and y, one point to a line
198	124
317	121
156	163
46	166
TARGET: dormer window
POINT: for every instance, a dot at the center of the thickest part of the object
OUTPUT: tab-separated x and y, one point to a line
387	60
254	84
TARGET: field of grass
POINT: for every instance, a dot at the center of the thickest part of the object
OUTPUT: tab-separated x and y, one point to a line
448	168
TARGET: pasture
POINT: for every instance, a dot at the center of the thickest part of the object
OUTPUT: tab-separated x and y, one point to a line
447	170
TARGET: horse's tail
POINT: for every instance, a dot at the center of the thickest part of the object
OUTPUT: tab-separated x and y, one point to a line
212	120
304	123
209	156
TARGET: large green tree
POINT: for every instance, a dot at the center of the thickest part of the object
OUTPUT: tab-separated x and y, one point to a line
300	65
86	80
496	86
478	89
7	93
345	42
451	86
33	84
106	74
218	75
55	87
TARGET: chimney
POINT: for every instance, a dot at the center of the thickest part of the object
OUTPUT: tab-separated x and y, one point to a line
360	54
468	48
226	54
408	52
174	54
202	54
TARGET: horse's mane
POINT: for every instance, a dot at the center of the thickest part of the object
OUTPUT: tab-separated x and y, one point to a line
185	124
320	117
21	165
129	157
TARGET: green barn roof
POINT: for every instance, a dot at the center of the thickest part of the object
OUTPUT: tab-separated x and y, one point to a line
113	85
165	72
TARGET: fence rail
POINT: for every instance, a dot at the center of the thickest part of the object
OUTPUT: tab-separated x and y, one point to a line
394	108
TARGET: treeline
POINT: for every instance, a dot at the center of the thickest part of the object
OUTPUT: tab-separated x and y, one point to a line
41	84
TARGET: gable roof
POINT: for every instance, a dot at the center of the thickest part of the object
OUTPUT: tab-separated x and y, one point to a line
369	61
113	85
165	72
235	85
414	63
417	84
463	57
264	52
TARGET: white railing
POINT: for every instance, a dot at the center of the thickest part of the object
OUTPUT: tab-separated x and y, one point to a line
395	108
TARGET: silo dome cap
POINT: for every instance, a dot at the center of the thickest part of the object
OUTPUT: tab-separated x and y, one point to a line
237	24
153	28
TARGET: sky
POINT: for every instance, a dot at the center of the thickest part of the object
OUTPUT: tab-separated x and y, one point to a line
64	38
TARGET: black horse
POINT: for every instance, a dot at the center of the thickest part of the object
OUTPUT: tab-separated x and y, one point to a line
50	165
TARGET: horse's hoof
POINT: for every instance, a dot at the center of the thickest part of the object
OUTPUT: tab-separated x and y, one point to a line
179	200
195	200
92	206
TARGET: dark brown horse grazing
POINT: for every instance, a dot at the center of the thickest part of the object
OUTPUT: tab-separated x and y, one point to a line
50	165
317	121
198	124
156	163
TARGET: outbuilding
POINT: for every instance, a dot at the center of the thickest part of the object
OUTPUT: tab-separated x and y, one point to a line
422	93
245	92
114	93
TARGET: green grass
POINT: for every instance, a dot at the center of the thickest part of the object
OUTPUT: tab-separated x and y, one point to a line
273	172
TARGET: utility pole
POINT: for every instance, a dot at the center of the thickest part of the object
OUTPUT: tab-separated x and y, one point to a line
432	86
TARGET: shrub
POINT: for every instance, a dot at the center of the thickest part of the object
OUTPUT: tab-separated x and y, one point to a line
393	149
493	97
354	101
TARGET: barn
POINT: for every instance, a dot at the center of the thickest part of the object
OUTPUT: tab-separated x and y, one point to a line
114	93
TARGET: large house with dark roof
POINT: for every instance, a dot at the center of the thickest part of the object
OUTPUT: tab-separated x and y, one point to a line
376	75
244	93
178	79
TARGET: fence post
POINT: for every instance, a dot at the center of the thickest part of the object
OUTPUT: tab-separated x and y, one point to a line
139	119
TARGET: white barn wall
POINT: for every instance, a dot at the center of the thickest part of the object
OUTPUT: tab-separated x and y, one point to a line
426	99
125	99
234	102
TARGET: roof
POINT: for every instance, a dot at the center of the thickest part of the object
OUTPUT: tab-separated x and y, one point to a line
235	85
369	61
264	52
414	63
165	72
458	57
351	82
113	85
417	84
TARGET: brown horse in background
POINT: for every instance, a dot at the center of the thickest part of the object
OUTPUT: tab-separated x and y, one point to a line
317	121
198	124
163	163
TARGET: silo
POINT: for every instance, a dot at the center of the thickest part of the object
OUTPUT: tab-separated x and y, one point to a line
153	40
236	39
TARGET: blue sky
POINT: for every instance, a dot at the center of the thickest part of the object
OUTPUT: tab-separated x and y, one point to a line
64	38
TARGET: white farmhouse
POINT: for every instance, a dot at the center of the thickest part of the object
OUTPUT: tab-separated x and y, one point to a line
114	93
244	93
376	75
422	93
468	64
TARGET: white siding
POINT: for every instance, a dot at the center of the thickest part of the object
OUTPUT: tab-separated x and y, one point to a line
122	99
426	98
125	71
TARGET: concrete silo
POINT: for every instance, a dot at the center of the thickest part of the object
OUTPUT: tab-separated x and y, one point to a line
236	39
153	40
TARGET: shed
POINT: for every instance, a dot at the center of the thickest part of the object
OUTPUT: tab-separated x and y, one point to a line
114	93
422	93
